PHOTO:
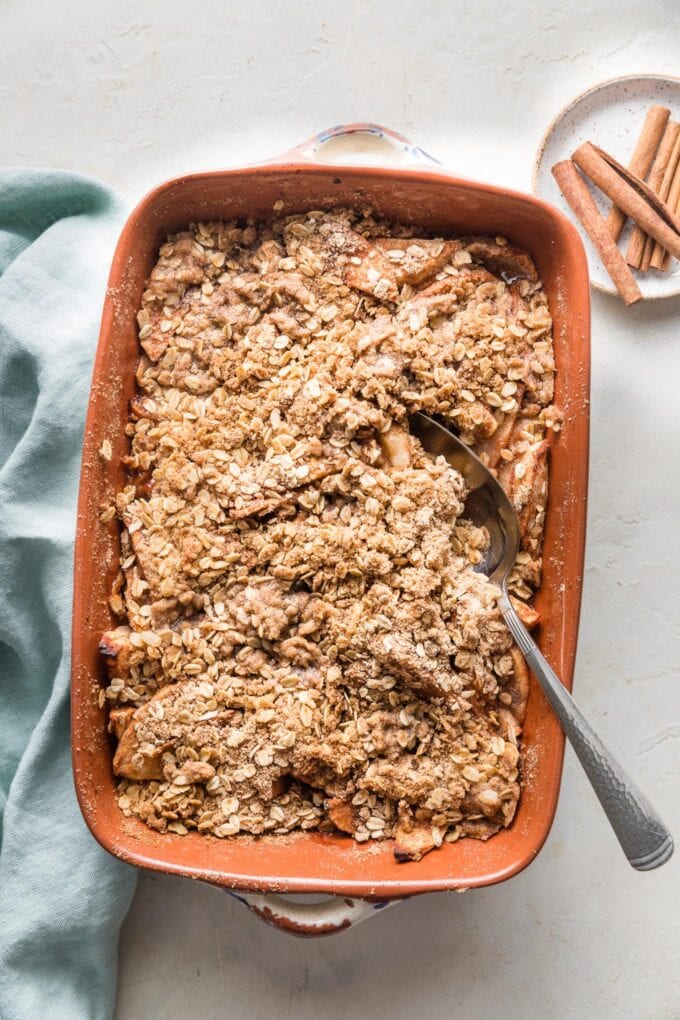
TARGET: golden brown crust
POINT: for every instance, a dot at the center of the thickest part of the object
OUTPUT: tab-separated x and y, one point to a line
131	760
518	688
529	616
416	260
503	258
115	647
342	814
396	447
412	842
119	720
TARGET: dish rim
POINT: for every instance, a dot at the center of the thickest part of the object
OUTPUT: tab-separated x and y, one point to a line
131	849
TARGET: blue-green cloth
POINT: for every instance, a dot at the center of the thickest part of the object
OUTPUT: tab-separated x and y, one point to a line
62	898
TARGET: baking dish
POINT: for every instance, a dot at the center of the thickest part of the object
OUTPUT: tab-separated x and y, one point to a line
361	878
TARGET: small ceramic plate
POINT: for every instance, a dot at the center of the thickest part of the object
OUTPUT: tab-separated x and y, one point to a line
611	115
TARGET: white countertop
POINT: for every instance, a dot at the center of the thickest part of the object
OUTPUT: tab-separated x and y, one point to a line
134	93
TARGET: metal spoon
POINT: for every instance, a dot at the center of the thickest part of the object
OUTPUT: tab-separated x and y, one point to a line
645	840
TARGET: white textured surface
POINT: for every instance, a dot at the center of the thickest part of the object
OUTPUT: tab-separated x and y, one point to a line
136	92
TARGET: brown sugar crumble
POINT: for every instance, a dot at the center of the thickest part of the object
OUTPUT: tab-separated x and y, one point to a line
304	642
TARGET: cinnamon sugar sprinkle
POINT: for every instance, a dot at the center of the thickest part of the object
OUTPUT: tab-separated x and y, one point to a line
304	641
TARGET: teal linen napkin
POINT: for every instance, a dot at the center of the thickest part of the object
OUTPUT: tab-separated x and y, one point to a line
62	898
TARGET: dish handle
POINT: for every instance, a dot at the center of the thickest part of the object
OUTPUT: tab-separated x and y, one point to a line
311	920
362	142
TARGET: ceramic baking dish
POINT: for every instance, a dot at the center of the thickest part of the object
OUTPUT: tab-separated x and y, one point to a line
360	878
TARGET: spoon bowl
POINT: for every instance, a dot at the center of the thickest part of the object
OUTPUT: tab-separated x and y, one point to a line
486	504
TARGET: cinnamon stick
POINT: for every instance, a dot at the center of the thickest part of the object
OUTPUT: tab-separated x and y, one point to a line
636	245
674	197
631	194
575	191
660	259
641	159
646	253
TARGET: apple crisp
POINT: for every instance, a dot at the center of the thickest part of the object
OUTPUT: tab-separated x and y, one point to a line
304	641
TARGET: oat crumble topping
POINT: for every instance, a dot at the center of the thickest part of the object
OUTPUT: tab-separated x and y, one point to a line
304	642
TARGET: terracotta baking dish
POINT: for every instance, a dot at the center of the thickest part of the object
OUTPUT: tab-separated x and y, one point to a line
425	195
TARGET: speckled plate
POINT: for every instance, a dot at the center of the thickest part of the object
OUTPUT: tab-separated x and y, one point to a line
611	115
360	878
